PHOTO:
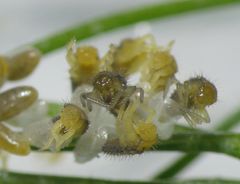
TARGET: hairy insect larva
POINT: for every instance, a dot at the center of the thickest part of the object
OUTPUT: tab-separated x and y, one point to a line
13	142
16	100
192	97
129	56
134	141
160	69
71	123
23	63
110	91
3	70
133	133
84	63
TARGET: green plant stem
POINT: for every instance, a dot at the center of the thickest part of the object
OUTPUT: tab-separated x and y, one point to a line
194	142
14	178
191	141
182	162
125	18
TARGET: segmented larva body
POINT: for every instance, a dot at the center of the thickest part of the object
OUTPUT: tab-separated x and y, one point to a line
191	99
13	142
133	133
3	70
16	100
84	63
159	70
71	123
23	63
142	137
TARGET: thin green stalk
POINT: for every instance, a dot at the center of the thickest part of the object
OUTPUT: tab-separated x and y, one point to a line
125	18
191	141
181	163
14	178
194	142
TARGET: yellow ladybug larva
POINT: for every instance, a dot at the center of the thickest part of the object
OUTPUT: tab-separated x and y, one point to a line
84	63
192	97
71	123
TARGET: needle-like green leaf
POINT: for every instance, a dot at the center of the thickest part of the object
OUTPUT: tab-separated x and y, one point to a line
15	178
94	27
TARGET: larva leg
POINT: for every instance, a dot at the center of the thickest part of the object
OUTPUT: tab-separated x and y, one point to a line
88	98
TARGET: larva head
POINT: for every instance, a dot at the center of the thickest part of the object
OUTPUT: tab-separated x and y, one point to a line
23	63
3	70
107	84
201	92
71	122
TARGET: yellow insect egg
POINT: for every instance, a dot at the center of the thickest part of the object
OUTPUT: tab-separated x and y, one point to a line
84	63
130	55
16	100
3	70
13	142
23	63
159	70
71	123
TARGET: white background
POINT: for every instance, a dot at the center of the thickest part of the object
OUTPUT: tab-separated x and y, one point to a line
207	43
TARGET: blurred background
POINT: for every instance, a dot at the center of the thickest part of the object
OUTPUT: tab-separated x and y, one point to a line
207	42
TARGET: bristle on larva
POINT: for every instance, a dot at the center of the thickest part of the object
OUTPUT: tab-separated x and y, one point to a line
113	147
